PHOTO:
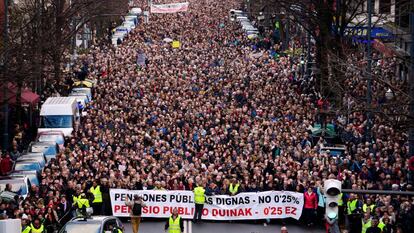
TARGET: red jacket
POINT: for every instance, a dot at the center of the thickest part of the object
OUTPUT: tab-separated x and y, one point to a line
6	165
311	201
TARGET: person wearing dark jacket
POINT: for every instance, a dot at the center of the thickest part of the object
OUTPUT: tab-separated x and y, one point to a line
374	226
63	210
212	189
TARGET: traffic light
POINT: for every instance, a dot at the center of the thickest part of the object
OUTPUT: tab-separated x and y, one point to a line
332	189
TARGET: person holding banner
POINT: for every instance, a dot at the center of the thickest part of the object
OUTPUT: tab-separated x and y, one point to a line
174	223
199	199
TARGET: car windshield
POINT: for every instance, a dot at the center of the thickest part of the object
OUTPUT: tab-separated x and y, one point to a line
58	121
27	167
76	227
51	138
47	150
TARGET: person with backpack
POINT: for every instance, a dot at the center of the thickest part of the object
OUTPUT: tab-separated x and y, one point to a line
136	210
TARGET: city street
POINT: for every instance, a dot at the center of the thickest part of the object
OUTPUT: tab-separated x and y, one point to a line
231	111
158	227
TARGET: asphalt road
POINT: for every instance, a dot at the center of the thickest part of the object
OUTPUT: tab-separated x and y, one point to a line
158	227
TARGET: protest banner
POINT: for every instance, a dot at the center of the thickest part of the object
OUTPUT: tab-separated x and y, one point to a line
244	206
169	8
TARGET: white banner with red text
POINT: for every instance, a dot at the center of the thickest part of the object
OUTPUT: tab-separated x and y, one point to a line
169	8
260	205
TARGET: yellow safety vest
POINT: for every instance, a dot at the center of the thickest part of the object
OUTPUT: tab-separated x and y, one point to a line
199	195
97	194
365	206
233	190
174	225
37	230
340	201
381	225
75	198
26	230
83	201
365	226
352	206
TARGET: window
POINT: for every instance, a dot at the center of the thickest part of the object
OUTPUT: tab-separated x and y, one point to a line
58	121
384	6
110	225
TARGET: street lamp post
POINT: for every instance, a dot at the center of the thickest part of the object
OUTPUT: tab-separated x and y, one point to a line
369	78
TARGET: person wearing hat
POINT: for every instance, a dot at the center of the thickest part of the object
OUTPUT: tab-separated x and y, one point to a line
25	224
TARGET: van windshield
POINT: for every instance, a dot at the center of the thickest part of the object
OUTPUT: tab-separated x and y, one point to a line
58	121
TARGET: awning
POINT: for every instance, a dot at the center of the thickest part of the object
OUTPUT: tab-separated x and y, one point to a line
27	96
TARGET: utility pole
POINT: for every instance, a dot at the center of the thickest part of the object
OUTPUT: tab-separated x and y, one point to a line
5	84
369	78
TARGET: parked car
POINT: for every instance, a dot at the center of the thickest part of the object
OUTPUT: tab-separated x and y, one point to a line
93	224
80	97
83	90
31	175
50	149
28	165
52	136
39	156
19	185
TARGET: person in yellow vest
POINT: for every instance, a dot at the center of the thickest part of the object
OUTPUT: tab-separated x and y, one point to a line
381	225
76	196
366	222
113	228
174	223
234	187
37	227
374	226
82	204
199	199
25	224
97	200
341	209
368	206
353	207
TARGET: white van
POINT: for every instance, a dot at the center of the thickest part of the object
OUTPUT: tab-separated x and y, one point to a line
132	18
129	24
59	113
135	11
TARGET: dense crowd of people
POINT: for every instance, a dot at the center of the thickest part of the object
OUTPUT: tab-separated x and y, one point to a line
220	109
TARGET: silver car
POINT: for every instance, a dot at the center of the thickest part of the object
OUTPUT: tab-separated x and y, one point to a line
92	224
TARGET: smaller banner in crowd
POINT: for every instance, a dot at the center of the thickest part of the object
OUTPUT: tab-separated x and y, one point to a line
141	59
169	8
176	44
244	206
